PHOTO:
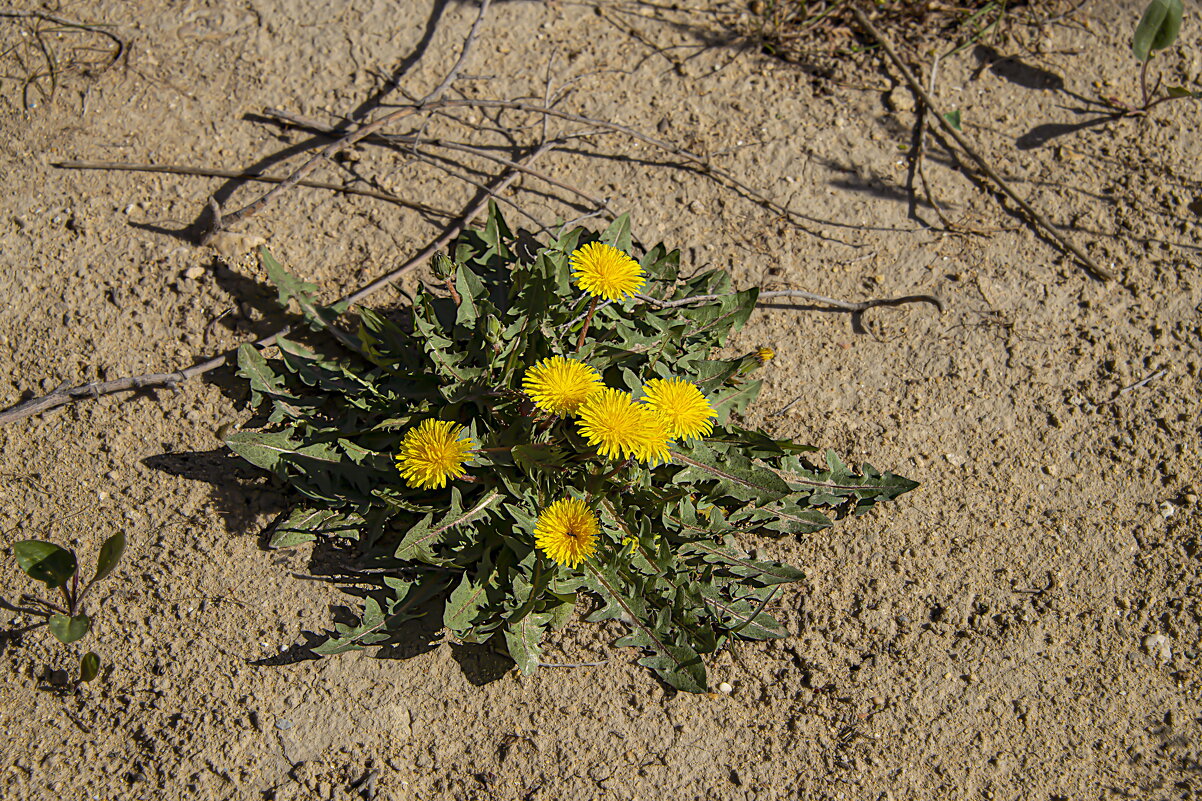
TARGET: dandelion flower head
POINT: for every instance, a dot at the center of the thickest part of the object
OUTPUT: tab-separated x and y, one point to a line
685	411
618	427
764	354
558	385
432	452
606	272
566	531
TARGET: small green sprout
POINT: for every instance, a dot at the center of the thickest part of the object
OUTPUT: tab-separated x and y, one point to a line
58	568
1157	30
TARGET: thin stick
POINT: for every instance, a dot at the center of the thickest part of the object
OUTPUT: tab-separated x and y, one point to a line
222	221
959	138
852	306
438	91
176	169
920	156
297	120
63	395
1144	382
592	309
703	164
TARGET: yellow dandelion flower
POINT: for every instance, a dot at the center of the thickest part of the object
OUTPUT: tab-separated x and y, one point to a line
618	427
765	354
684	410
566	531
654	449
432	452
604	271
558	385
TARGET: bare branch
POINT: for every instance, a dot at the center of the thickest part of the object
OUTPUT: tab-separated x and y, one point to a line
63	395
949	129
223	221
176	169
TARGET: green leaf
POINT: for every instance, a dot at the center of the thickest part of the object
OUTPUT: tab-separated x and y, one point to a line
537	458
1157	29
305	524
419	541
69	629
735	399
953	119
263	380
262	448
471	292
678	665
767	573
110	554
1181	91
287	285
353	638
746	618
523	640
464	604
89	666
735	474
618	234
45	561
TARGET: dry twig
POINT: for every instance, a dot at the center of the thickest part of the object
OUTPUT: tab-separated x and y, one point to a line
221	222
176	169
1038	219
63	395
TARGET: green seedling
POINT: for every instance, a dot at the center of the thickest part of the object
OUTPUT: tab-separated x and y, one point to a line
58	569
1157	30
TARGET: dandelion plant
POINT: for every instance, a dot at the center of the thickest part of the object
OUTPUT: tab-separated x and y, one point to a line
553	426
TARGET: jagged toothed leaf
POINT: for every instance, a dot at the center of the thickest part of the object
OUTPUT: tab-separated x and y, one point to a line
523	640
538	458
471	291
679	665
733	473
262	448
764	572
288	286
371	630
419	541
743	617
305	524
465	603
734	400
263	380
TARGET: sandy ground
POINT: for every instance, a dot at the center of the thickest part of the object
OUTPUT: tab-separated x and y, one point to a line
1026	625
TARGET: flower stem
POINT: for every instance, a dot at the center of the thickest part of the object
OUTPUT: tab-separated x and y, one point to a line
617	469
588	319
1143	81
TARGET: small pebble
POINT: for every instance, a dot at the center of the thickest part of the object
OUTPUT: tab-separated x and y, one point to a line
900	99
192	273
1167	510
1157	646
725	687
283	723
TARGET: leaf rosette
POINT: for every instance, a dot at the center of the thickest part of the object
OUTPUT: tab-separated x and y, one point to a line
605	456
